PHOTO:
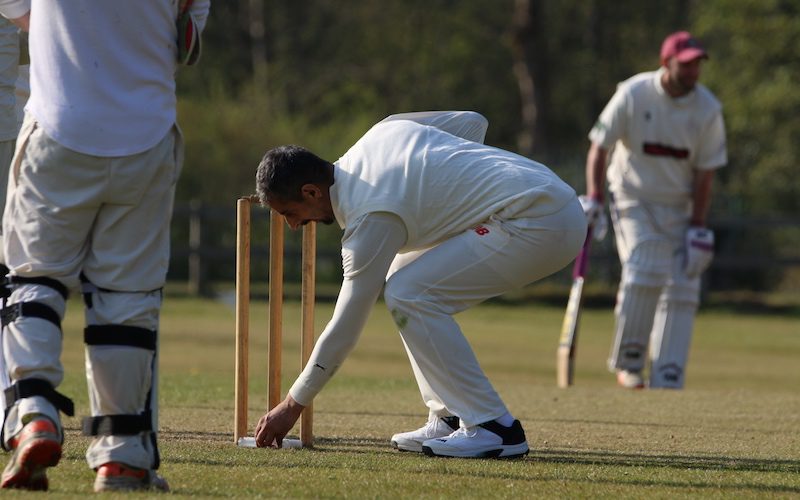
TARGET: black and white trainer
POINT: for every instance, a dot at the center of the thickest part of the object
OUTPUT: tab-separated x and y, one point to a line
436	427
486	440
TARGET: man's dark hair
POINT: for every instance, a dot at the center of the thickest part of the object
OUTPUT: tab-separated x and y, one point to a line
284	170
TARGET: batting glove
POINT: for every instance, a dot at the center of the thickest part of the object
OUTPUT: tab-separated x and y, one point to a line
595	216
188	35
699	250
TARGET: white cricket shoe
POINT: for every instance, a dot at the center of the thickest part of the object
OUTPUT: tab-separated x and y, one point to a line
436	427
629	379
487	440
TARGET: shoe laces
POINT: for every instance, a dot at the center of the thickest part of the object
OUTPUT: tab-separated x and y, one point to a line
468	432
432	425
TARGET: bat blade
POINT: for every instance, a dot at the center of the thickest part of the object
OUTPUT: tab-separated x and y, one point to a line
565	354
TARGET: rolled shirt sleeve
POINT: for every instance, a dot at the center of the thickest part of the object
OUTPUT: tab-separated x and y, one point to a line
611	123
713	151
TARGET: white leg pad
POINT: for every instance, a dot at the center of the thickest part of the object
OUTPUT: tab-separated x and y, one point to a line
672	333
636	306
643	276
122	379
31	348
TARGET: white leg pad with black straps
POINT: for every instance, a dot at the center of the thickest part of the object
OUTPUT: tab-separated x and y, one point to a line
121	352
32	341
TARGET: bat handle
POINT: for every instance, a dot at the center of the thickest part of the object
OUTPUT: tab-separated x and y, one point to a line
582	261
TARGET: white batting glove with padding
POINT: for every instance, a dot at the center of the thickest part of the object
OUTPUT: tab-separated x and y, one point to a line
699	250
595	216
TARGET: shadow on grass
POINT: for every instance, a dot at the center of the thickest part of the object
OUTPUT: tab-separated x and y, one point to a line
673	461
327	453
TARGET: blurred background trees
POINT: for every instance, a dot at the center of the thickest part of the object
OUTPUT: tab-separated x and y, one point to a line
319	73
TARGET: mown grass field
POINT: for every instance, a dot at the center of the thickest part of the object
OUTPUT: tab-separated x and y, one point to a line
733	432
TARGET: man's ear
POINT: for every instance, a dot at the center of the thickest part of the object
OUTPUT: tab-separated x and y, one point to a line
310	191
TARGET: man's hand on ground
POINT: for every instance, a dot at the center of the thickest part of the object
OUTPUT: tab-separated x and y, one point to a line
273	426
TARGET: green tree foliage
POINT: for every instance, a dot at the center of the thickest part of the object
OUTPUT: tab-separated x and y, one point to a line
321	72
332	69
755	71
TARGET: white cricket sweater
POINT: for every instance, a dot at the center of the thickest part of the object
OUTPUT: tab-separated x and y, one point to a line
439	184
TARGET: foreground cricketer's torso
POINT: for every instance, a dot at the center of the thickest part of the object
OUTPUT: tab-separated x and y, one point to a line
103	82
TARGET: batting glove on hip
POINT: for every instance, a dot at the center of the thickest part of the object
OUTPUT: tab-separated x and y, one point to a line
595	216
699	250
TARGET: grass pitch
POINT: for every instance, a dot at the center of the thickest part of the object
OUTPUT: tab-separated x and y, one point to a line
733	432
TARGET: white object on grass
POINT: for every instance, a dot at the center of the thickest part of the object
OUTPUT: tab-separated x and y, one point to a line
250	442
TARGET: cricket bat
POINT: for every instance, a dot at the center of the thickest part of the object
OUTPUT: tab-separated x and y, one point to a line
565	355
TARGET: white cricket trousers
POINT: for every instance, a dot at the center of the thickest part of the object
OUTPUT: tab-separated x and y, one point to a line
425	289
108	219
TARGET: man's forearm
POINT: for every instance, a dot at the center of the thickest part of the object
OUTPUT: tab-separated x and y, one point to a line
369	251
595	172
701	197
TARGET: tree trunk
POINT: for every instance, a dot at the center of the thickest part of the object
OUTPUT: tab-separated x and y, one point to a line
258	44
529	63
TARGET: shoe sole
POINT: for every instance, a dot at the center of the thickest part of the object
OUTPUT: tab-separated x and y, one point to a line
633	387
128	484
414	448
27	469
512	451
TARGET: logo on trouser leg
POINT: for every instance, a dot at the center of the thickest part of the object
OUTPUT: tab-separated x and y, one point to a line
481	230
671	374
632	352
399	318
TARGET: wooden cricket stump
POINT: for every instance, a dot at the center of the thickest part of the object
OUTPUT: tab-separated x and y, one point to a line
274	352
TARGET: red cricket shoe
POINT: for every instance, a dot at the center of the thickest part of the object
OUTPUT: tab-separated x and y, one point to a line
116	476
36	448
630	379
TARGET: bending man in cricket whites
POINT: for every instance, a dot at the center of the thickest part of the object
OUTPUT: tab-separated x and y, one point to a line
444	222
668	138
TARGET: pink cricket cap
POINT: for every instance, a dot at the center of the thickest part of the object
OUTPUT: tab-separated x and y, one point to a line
683	46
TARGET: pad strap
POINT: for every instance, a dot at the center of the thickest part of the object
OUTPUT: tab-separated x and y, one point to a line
9	281
30	387
39	310
117	425
88	288
120	335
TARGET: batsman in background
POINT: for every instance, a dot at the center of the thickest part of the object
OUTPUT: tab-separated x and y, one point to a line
89	206
445	222
668	138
